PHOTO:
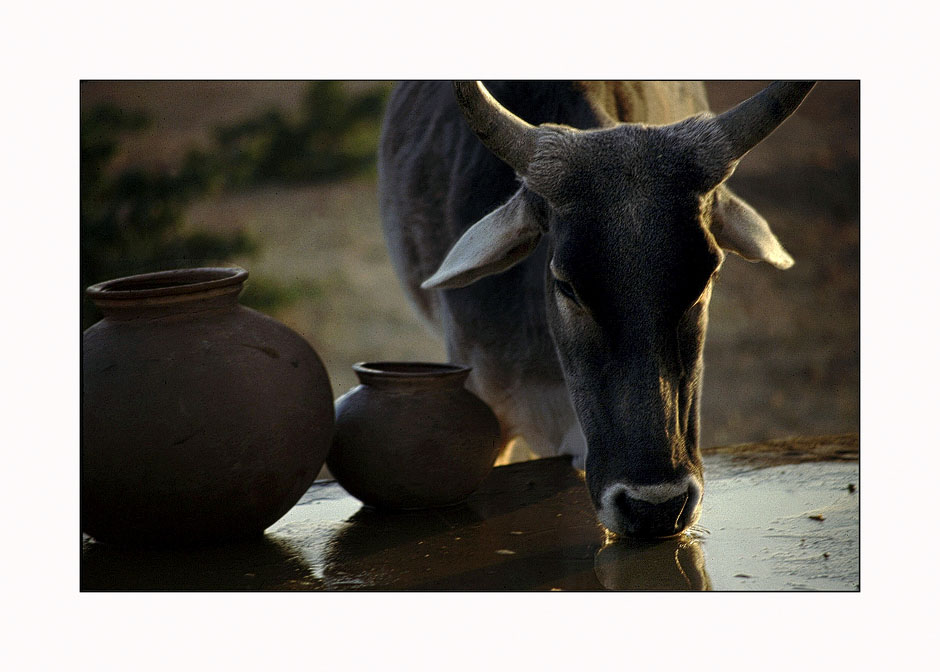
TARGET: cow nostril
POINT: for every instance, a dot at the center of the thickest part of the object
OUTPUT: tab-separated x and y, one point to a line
653	519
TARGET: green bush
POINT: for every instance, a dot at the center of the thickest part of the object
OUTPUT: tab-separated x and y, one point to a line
132	220
334	137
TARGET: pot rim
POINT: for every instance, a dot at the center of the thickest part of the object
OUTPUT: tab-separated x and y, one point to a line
411	370
175	282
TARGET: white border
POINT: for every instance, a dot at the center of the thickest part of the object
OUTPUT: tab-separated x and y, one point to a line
47	49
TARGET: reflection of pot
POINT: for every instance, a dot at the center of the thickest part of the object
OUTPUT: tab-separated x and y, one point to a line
373	547
202	420
633	564
262	563
411	436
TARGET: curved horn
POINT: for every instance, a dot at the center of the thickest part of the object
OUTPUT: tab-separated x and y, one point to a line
755	118
506	135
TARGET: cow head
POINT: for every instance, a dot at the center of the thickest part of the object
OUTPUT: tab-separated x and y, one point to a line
637	219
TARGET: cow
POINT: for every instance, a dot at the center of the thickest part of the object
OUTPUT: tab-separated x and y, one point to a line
564	238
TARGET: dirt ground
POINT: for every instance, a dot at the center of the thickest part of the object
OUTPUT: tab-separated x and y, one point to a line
782	357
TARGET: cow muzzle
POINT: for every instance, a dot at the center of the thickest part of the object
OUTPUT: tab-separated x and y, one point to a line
657	510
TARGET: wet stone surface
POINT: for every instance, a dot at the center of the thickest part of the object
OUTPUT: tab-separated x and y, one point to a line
767	524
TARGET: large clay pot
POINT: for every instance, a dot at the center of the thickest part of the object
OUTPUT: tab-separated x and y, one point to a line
410	436
202	420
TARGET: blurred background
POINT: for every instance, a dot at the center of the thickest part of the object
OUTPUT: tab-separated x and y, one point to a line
279	177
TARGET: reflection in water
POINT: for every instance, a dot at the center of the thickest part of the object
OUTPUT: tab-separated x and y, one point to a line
668	564
375	547
531	527
257	564
371	530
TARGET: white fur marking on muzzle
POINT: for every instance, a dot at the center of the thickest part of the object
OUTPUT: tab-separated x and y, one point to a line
609	514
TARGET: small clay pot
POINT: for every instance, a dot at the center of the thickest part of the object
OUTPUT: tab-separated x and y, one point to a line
202	420
411	437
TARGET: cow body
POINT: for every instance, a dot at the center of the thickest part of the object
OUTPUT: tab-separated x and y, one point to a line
585	325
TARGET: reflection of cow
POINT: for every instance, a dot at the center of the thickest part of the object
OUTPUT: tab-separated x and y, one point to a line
576	265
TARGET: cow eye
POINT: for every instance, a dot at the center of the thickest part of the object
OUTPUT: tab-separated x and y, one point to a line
566	290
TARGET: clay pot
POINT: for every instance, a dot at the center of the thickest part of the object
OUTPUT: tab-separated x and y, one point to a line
202	420
410	436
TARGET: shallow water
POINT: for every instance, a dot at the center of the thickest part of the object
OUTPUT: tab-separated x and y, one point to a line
531	527
790	527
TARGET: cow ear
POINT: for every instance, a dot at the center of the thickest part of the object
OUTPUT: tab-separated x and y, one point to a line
737	227
497	242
